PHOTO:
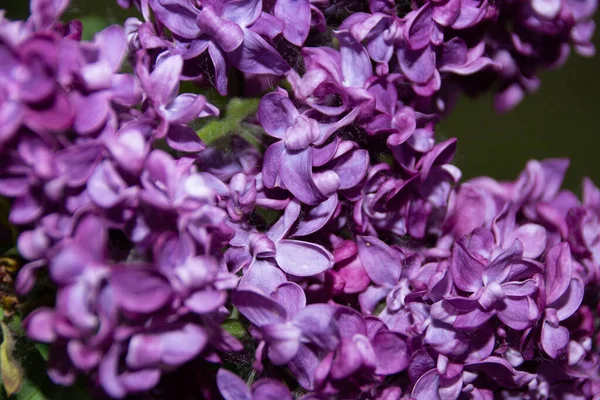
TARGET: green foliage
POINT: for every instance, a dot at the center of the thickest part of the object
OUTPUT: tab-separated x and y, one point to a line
91	25
269	216
235	328
12	374
232	121
23	367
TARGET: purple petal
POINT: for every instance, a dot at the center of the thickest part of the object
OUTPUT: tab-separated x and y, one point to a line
268	26
228	35
259	309
140	290
45	12
441	153
283	341
533	237
184	108
391	353
502	372
445	339
482	345
180	346
256	56
446	14
164	80
356	63
140	381
472	319
347	360
112	45
296	174
465	304
144	351
218	59
558	271
105	186
519	312
39	325
26	278
184	138
107	373
125	90
92	112
291	297
79	161
32	244
570	301
231	386
206	301
498	270
302	258
471	12
11	115
272	161
520	289
262	275
303	367
370	298
318	325
417	30
25	209
129	148
281	228
317	217
83	357
61	114
554	340
276	114
547	9
270	389
427	386
417	65
380	262
352	168
295	14
466	270
178	16
242	12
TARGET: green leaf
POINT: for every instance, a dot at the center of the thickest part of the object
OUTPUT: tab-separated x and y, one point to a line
240	109
12	373
250	379
15	325
268	215
36	385
29	392
212	131
12	252
235	328
210	93
237	110
43	350
380	306
92	24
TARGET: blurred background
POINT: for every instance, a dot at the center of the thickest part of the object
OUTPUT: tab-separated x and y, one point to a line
561	120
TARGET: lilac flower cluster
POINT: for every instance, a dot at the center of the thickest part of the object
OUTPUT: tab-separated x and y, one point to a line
342	243
129	234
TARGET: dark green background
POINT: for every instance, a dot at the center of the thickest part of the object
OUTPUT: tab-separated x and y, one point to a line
561	120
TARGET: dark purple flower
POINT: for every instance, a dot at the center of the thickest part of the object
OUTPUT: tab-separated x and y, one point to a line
289	162
232	387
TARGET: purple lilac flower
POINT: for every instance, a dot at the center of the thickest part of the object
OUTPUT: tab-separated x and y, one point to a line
348	251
